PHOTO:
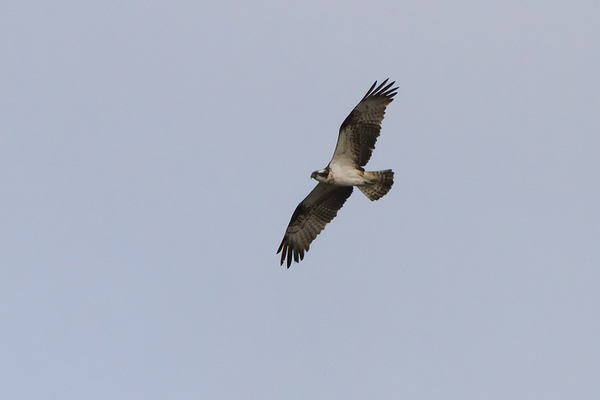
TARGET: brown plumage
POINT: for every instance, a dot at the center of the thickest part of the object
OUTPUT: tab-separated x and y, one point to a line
383	183
356	141
310	218
361	128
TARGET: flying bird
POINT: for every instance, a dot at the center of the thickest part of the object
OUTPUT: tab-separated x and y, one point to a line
356	141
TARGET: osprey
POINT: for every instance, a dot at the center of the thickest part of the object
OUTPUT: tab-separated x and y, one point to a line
356	142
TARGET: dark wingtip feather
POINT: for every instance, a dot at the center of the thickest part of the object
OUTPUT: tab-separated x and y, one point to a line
370	90
282	257
281	246
289	257
382	90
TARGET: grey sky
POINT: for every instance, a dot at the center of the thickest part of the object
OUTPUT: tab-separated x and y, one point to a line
152	154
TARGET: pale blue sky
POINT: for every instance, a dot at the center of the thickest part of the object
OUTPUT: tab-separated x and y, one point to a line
151	155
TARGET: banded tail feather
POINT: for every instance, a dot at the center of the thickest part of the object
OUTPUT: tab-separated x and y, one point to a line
382	182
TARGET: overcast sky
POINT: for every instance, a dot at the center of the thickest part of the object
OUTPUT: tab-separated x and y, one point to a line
152	153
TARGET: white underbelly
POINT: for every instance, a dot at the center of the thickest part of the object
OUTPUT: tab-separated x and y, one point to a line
346	176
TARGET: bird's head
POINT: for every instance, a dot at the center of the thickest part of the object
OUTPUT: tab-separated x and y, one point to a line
320	175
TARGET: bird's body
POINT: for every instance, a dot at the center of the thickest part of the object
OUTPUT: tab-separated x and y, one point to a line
343	175
356	141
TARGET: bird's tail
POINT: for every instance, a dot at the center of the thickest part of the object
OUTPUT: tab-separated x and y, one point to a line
380	182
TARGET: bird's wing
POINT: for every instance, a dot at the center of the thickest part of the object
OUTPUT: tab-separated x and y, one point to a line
360	129
309	219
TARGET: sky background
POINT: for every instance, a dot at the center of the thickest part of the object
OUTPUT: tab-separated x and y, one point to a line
152	153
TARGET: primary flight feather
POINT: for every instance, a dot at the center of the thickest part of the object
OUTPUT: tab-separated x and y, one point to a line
356	142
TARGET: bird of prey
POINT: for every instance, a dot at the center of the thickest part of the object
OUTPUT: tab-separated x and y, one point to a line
356	141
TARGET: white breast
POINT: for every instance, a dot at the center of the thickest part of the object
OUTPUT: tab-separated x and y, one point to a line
345	175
